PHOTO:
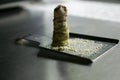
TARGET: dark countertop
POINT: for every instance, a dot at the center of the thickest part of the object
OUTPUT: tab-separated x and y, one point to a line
22	63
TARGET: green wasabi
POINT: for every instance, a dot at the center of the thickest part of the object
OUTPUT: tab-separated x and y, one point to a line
61	31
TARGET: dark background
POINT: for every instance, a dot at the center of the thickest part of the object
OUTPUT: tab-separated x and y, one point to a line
9	1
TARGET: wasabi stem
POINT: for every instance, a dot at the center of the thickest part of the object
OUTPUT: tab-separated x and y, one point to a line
61	31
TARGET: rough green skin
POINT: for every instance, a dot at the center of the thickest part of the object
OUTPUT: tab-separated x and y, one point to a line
61	31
